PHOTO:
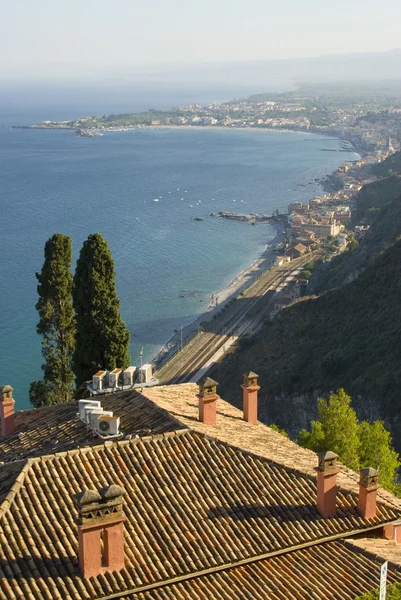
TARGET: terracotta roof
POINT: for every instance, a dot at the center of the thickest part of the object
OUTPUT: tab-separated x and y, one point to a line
328	571
181	402
381	548
56	428
192	503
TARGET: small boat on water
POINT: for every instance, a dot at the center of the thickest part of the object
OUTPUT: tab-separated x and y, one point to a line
156	200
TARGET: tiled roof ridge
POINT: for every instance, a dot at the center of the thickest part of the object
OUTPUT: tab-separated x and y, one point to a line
253	455
19	481
381	492
369	554
339	537
345	472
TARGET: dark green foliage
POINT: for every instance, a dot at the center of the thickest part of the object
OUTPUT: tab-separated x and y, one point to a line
279	430
371	214
391	165
102	337
305	274
352	243
384	232
376	450
347	337
357	444
377	195
56	324
336	429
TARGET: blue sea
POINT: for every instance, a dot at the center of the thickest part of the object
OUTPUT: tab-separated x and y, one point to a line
52	181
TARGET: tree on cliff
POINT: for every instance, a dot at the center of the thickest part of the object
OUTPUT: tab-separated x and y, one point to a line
376	450
357	444
102	338
56	324
336	430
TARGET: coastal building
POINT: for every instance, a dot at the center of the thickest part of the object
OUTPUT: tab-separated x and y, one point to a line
281	260
322	230
343	214
298	250
199	500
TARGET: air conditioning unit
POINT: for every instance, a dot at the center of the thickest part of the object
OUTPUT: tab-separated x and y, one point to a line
82	404
88	410
95	414
99	381
145	373
129	376
114	377
108	426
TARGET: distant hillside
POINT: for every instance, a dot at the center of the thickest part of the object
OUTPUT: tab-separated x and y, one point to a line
384	232
349	337
392	164
377	195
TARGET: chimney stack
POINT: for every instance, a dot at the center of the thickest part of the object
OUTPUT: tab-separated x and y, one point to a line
368	486
7	410
327	483
100	514
250	397
207	400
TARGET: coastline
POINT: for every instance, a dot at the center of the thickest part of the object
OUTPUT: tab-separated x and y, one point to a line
243	280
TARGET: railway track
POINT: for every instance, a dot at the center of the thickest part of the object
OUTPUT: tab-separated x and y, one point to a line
251	307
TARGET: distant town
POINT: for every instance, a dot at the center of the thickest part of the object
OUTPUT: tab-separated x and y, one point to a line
365	120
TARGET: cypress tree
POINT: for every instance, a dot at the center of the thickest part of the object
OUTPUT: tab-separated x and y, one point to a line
102	337
56	324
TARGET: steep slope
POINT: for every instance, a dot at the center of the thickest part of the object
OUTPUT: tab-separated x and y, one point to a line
349	337
377	195
392	164
384	232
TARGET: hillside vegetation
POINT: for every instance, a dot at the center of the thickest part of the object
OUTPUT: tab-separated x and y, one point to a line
349	338
377	195
384	232
392	164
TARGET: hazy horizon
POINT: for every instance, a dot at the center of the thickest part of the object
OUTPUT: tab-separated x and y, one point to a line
60	41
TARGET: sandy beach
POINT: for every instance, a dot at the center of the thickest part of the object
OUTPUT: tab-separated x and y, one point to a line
218	299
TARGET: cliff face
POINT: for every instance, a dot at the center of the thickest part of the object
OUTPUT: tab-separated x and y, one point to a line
346	337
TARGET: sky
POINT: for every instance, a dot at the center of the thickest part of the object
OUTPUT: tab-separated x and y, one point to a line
90	38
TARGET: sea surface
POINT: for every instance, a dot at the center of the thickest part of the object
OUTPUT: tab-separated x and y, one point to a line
167	263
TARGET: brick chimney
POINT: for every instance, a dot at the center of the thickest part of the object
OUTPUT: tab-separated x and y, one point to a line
327	483
7	410
207	400
100	514
250	397
368	486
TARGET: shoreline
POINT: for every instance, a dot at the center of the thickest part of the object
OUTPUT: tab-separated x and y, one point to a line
243	280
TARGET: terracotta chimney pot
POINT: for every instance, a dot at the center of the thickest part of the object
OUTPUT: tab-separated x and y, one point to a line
368	486
250	397
327	483
7	415
207	400
100	512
